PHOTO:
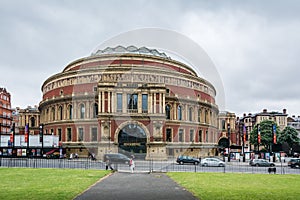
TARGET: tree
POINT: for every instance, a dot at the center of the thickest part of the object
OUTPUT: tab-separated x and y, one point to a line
289	135
266	133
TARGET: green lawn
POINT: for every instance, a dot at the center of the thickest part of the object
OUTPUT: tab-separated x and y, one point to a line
19	183
213	186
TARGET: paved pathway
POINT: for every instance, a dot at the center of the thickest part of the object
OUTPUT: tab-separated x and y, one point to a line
136	186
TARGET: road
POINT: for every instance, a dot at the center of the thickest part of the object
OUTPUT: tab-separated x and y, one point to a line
143	166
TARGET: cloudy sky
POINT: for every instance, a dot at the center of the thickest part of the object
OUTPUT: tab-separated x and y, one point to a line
253	44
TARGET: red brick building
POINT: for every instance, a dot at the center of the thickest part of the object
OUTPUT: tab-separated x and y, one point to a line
5	112
133	101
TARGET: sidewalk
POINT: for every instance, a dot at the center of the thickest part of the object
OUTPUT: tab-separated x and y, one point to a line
136	186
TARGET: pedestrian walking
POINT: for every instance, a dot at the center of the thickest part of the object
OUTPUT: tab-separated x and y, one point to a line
108	164
71	156
131	165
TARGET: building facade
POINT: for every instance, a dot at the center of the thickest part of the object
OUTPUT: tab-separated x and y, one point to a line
5	112
227	127
248	122
29	116
133	101
294	122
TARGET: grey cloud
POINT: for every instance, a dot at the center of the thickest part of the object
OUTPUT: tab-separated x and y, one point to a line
254	44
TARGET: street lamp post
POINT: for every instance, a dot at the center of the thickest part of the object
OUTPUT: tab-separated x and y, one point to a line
243	131
109	131
258	139
0	138
228	130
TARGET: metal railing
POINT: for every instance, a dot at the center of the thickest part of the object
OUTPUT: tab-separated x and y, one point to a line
144	166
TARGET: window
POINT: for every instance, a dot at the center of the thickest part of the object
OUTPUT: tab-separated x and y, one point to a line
132	102
82	111
190	114
60	110
180	135
32	122
169	135
179	113
70	110
144	103
223	124
80	134
69	134
200	135
206	135
95	110
94	135
199	115
53	114
59	134
192	135
206	117
168	111
119	102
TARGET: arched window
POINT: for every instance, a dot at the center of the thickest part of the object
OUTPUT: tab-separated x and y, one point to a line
32	122
179	113
82	111
206	117
190	114
199	115
60	110
47	115
168	111
53	114
95	110
70	111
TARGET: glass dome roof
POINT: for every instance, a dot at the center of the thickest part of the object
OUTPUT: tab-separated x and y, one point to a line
130	49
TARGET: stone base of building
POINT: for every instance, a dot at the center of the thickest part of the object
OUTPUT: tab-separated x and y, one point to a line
156	151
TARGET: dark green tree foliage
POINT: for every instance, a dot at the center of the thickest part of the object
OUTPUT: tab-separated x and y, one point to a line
266	134
288	135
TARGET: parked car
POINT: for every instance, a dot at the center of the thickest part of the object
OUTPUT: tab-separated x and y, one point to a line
116	158
261	163
187	159
212	162
54	153
294	163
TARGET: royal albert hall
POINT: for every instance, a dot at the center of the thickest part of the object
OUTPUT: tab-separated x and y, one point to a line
133	101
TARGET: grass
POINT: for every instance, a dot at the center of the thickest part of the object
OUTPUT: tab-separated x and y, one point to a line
28	183
19	183
206	186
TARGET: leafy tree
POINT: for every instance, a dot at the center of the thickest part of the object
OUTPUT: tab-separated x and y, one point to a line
266	134
288	135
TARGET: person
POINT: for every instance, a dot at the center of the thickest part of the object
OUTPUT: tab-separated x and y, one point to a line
93	157
108	164
131	165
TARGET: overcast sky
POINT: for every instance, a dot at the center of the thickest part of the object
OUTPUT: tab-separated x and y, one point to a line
253	44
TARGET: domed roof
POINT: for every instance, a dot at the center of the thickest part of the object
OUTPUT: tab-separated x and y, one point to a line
130	49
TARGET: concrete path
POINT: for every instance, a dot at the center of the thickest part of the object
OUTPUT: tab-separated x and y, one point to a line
136	186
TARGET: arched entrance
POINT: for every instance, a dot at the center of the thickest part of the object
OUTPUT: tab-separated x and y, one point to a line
132	140
223	144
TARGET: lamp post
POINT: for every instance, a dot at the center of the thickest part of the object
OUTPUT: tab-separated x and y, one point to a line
258	139
109	127
41	137
228	130
243	131
0	138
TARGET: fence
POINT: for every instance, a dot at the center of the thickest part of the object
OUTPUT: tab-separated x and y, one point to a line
143	166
